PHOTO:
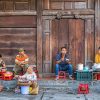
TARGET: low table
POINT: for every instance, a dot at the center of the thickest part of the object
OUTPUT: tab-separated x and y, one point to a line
84	75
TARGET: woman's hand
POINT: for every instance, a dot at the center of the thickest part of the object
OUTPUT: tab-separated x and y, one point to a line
16	76
30	82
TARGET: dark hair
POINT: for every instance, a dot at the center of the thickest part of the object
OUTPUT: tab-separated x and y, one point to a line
63	48
0	56
99	48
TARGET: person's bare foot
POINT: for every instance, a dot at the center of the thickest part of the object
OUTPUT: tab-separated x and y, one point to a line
70	77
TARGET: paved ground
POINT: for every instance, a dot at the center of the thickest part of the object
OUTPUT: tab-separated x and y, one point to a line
49	95
56	90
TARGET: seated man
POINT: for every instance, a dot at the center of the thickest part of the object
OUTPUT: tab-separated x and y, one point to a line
21	62
97	57
63	63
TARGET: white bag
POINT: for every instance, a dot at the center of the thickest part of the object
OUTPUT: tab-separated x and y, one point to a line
96	66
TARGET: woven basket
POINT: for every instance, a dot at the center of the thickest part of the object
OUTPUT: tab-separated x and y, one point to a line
23	84
34	89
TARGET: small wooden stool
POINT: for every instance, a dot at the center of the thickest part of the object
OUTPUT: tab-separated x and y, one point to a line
62	74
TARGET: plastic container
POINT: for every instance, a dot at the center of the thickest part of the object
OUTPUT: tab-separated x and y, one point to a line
7	76
80	67
98	76
24	89
84	76
86	68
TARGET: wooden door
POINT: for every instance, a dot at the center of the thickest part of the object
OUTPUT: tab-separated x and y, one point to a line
69	33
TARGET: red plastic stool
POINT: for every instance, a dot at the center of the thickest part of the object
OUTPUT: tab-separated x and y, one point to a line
62	74
83	89
1	74
7	78
98	76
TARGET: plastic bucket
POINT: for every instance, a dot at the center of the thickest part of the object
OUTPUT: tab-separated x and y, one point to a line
24	89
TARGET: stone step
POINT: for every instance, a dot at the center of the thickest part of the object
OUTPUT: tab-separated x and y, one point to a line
67	84
60	83
64	85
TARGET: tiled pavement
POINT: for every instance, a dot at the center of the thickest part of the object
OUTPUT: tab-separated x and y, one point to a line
55	90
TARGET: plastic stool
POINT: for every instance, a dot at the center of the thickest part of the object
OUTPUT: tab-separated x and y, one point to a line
83	89
62	74
7	78
1	74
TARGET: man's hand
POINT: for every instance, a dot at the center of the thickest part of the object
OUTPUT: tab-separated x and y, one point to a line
69	62
62	59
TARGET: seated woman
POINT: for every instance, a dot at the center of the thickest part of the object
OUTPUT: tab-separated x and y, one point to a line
97	61
29	79
2	64
21	62
63	63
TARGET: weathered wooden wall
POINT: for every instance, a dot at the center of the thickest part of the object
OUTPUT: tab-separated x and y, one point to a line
69	33
17	5
97	24
17	32
68	4
74	10
30	24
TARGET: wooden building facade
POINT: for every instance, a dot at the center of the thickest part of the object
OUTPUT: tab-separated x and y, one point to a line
42	27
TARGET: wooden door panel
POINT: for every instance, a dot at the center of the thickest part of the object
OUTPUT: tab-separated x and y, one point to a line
80	41
72	43
63	36
55	31
69	33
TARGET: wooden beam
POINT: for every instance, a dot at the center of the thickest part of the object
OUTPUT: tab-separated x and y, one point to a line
18	13
39	34
69	12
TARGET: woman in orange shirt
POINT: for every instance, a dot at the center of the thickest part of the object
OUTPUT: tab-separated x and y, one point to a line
97	60
21	62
